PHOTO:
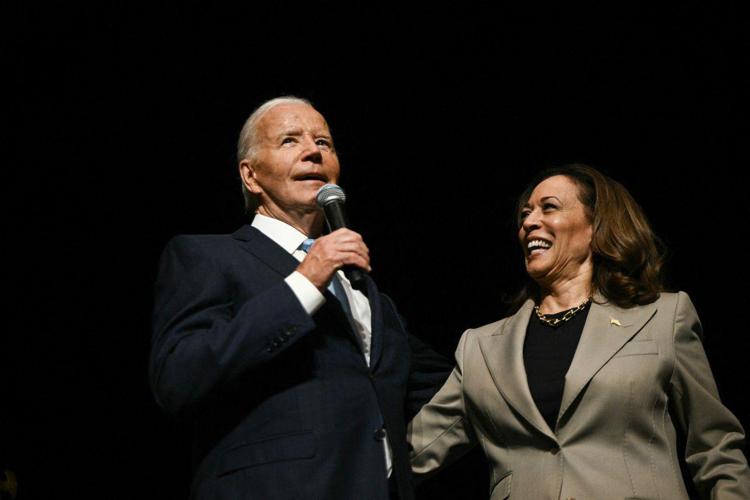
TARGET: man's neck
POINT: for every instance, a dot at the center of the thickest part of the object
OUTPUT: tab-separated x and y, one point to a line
308	222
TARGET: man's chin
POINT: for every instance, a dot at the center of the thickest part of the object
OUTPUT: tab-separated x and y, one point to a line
309	206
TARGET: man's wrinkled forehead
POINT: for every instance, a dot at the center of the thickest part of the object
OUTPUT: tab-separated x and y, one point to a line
291	118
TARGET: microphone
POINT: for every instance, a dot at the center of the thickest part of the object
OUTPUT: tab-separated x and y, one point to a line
331	199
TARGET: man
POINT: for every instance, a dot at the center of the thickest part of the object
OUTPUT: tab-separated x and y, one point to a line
298	385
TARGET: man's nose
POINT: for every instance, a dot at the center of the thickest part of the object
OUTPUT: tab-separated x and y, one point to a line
312	151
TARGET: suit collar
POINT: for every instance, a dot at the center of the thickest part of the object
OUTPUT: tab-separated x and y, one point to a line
607	329
503	354
376	322
275	257
284	235
266	250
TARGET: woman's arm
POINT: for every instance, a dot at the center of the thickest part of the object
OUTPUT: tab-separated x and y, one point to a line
440	432
714	436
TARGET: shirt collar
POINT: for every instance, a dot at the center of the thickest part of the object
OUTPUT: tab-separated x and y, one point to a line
280	232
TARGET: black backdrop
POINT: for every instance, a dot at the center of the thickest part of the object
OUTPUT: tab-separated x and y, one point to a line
123	121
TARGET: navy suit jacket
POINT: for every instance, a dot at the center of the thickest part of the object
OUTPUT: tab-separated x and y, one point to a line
282	404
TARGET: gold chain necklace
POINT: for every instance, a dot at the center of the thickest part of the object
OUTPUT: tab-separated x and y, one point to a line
554	322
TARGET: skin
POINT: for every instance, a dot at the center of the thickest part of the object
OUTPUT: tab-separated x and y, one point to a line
564	272
294	157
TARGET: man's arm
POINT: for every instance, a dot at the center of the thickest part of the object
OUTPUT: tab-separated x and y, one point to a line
202	339
428	372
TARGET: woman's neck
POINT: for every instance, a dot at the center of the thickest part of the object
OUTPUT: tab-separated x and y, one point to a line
565	294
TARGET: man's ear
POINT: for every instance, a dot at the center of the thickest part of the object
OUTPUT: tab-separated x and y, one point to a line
247	174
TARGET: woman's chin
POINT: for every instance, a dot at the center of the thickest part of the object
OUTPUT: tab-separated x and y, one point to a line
535	269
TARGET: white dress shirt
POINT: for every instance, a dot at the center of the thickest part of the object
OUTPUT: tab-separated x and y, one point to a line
310	297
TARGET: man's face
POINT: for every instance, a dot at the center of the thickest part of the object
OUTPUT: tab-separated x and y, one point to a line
294	158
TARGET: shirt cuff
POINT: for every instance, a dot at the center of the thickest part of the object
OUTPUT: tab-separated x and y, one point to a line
307	293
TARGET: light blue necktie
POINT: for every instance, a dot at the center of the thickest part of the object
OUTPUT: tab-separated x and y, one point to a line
335	286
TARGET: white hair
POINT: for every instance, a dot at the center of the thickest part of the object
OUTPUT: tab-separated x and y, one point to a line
247	140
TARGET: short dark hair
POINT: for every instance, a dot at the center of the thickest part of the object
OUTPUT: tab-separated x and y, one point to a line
627	256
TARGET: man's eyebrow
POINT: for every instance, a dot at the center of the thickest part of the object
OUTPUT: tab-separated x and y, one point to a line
290	131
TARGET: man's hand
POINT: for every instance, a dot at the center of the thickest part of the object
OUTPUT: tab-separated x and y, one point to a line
330	253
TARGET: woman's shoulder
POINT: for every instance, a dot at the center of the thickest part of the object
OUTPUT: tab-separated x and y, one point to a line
674	300
497	327
666	300
671	308
488	329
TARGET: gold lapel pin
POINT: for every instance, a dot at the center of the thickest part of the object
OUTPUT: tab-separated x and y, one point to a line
613	321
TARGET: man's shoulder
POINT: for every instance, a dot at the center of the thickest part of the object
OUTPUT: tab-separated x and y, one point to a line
200	239
211	240
197	245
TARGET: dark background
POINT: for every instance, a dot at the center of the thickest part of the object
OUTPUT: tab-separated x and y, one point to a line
123	121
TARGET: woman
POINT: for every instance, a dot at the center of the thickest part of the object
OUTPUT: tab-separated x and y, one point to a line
583	391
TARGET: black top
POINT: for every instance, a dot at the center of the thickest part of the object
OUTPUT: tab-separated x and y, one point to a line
547	354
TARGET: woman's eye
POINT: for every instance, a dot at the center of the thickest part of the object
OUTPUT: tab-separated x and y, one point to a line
525	214
549	206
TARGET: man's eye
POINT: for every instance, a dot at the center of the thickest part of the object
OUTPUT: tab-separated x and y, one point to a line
323	142
287	140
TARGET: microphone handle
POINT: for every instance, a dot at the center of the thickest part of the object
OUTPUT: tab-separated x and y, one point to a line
336	219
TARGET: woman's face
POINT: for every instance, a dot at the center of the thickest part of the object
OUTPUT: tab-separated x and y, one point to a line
555	233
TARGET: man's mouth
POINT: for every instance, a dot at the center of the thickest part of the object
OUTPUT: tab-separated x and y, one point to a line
313	176
537	246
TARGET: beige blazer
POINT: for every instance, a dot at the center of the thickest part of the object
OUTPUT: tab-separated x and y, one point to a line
638	377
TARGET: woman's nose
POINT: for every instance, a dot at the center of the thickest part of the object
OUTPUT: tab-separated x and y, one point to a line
531	221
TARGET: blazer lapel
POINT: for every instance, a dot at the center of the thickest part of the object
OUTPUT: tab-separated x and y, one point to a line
266	250
376	328
607	329
275	257
503	355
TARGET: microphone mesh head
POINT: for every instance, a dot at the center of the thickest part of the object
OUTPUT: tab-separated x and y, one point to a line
330	193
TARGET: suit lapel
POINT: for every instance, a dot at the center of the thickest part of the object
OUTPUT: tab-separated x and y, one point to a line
376	309
276	258
266	250
607	329
503	355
